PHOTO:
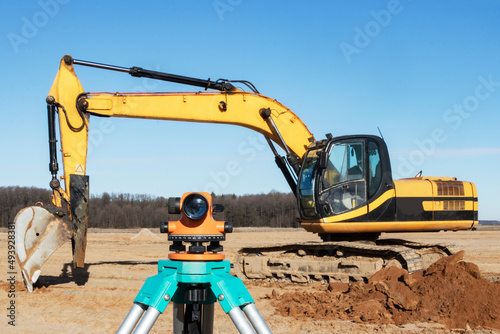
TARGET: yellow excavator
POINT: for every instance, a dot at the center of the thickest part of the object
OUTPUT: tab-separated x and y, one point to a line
343	185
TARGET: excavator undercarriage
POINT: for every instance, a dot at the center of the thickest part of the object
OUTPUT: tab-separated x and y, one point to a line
341	261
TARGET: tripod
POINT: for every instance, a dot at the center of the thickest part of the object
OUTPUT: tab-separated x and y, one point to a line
193	287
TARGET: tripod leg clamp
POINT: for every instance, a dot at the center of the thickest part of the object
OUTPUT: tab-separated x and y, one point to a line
159	290
230	292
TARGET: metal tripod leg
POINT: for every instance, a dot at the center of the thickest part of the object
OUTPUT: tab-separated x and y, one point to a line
211	280
240	321
236	301
256	319
153	296
131	319
147	321
178	321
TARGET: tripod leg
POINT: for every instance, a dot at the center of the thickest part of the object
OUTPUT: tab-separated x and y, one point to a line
147	321
208	319
240	321
178	321
131	319
256	319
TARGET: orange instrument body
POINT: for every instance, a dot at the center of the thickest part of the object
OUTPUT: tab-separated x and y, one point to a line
195	226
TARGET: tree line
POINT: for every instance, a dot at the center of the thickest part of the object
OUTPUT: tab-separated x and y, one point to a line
489	222
274	209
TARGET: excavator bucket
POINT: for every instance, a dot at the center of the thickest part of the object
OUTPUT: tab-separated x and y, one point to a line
38	234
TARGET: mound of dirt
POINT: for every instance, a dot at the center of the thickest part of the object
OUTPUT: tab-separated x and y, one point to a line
145	235
450	292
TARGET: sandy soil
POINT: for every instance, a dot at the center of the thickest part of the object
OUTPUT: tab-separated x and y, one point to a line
96	300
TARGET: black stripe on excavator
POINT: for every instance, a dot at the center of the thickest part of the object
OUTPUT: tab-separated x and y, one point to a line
384	212
455	215
411	209
438	216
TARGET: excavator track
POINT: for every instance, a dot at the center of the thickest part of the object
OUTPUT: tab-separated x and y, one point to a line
340	261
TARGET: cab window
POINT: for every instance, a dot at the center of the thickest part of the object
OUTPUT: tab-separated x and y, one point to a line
374	168
345	164
343	183
306	185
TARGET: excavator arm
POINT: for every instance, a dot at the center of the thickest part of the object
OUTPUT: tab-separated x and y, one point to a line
40	232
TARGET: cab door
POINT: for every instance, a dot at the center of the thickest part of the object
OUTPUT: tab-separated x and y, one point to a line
343	183
381	192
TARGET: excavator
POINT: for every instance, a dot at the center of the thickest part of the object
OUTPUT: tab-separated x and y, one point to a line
344	186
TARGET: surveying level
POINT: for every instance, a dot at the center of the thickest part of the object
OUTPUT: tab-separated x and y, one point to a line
195	226
194	277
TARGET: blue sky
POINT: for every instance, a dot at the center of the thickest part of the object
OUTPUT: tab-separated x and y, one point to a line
426	73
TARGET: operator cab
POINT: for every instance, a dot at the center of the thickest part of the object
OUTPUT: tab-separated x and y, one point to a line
344	175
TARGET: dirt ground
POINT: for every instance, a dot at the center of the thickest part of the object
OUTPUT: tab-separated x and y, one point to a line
97	299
